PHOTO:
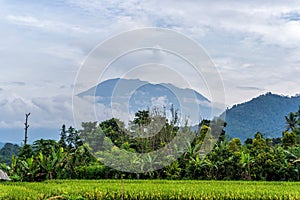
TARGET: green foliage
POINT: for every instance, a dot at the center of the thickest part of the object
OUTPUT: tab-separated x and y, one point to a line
288	139
63	137
259	144
44	146
81	154
93	171
246	163
234	145
25	152
293	124
92	134
48	159
73	140
173	171
115	130
142	118
7	151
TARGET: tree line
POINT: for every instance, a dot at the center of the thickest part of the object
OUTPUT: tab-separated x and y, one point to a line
78	154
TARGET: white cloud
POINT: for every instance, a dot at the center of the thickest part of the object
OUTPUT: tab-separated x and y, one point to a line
45	112
48	24
159	101
25	20
86	109
254	44
74	54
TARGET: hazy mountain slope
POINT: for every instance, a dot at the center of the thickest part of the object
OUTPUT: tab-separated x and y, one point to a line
142	95
264	113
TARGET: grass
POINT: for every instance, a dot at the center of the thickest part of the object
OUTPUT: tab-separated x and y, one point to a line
149	189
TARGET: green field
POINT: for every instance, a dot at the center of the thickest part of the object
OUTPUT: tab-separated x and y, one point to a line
149	189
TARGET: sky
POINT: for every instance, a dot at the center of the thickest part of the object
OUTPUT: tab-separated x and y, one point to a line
253	44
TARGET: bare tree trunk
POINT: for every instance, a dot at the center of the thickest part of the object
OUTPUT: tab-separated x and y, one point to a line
26	128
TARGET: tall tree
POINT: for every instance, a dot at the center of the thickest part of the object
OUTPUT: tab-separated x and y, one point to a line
73	138
93	135
63	137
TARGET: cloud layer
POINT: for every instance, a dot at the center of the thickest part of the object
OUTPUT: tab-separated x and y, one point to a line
254	44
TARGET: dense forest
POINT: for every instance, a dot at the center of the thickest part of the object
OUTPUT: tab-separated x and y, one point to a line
264	113
78	153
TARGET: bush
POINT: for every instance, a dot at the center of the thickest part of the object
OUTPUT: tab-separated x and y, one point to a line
93	171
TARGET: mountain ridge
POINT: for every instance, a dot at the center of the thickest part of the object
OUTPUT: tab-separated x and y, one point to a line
265	113
141	95
112	82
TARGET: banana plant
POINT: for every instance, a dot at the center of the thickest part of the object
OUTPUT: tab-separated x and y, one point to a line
197	164
54	164
27	169
246	161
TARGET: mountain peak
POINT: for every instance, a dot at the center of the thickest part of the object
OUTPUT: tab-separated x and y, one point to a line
142	95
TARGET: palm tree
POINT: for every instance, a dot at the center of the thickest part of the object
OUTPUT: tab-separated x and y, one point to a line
291	121
298	112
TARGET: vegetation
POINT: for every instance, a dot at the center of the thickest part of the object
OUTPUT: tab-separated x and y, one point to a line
7	151
264	114
72	157
150	189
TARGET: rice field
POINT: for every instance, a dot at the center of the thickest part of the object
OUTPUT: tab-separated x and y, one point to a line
149	189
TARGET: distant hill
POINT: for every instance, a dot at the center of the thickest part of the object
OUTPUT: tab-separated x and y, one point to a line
7	152
141	95
1	145
264	114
